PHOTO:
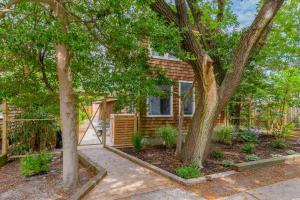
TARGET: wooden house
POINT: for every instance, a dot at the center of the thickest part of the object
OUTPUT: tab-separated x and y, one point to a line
160	110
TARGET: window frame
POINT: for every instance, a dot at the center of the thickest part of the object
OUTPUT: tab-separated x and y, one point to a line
166	56
171	104
179	99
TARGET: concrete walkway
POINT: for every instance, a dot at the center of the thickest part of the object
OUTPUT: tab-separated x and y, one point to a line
127	180
285	190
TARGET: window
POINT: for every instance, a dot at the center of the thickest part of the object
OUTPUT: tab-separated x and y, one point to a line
189	104
166	56
161	105
172	2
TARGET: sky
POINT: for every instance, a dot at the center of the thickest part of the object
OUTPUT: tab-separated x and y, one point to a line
245	11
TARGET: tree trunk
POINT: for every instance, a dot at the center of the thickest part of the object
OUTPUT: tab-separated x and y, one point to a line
181	119
67	117
199	135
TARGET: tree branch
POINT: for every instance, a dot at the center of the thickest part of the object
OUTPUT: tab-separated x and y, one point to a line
196	12
163	9
221	7
41	59
244	48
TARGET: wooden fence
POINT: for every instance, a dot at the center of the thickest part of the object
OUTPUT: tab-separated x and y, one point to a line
11	123
122	126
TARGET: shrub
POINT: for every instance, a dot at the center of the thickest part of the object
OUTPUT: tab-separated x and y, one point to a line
251	157
137	141
248	148
188	172
291	152
248	136
227	163
34	164
279	144
168	134
287	130
217	154
223	134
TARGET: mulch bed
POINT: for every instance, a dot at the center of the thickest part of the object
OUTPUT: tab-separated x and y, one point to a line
165	158
45	186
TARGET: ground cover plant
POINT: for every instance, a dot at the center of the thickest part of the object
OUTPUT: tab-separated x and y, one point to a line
248	148
279	144
221	158
189	171
251	157
217	154
42	186
227	163
34	164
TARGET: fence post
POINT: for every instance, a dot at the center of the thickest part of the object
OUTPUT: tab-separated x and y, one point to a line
4	128
104	113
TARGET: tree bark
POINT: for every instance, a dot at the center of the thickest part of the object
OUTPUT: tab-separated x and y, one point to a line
200	131
181	119
68	117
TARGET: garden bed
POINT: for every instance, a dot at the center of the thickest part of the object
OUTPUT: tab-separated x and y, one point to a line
45	186
164	158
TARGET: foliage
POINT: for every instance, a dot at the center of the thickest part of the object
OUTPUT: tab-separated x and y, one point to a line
137	141
251	157
279	144
188	172
217	154
34	134
227	163
291	152
248	148
272	77
34	164
248	137
287	130
223	134
168	134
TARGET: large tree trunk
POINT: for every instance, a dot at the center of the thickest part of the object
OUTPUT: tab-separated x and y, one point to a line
199	134
67	117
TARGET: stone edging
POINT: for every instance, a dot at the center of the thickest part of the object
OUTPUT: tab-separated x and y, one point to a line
168	174
267	162
100	174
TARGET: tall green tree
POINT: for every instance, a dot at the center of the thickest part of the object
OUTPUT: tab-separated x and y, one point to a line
54	51
217	60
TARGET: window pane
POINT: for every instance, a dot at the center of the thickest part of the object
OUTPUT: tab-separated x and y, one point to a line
189	103
161	105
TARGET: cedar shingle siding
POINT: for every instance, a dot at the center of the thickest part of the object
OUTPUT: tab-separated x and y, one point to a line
178	71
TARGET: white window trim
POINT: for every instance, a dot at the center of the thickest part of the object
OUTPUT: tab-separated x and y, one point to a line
163	57
171	110
194	98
